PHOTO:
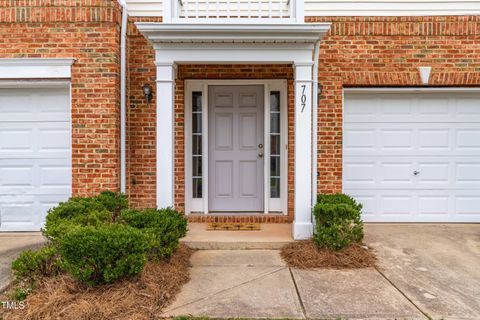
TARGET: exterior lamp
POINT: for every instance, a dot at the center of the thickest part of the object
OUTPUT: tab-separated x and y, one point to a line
147	92
319	89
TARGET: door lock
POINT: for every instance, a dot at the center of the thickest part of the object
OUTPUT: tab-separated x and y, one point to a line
260	146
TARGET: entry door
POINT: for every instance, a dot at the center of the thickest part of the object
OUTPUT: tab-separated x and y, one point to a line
235	130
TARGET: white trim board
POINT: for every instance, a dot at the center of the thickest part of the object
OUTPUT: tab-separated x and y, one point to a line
200	205
35	68
410	89
352	8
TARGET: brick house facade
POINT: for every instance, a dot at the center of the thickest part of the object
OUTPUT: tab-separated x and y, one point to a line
375	51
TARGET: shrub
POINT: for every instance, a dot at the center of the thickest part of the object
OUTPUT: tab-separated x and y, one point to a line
113	202
89	211
105	253
165	227
31	264
338	224
338	198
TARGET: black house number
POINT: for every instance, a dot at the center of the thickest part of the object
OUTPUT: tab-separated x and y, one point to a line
303	98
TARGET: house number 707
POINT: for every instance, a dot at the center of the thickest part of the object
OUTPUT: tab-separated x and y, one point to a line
303	98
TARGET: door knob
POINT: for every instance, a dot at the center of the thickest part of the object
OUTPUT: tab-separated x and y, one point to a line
415	173
260	155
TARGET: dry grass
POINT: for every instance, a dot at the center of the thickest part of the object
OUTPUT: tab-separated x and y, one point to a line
306	255
143	297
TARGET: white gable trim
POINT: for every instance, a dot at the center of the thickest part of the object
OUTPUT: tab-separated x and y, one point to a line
35	68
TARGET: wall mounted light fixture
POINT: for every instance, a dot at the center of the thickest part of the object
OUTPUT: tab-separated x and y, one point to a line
319	89
147	92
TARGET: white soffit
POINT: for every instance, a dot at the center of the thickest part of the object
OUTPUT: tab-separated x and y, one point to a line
232	33
326	8
35	68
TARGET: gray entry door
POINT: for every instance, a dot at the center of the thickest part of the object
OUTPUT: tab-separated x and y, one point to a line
235	155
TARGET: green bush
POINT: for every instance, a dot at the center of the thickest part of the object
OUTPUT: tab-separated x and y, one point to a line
338	198
104	253
113	202
165	227
78	211
31	264
338	221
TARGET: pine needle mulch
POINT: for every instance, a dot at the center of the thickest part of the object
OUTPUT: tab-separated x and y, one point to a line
306	255
144	297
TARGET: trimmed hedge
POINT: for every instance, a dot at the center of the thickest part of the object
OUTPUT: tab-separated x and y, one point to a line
77	211
338	221
165	226
99	240
103	254
31	264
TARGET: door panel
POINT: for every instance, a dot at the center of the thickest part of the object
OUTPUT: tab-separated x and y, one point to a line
235	124
35	155
413	157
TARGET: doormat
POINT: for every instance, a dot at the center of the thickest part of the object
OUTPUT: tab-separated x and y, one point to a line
233	226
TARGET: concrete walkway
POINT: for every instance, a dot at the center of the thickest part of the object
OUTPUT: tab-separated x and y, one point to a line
11	245
425	271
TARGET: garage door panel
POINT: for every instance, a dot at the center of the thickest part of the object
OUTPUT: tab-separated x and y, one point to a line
26	212
408	139
395	139
468	140
426	205
468	172
34	104
35	140
35	176
396	173
413	157
35	155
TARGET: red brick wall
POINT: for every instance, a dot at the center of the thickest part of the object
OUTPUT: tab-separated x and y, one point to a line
386	51
141	119
88	31
358	51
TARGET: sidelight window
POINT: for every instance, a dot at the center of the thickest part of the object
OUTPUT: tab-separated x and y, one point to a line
197	144
275	144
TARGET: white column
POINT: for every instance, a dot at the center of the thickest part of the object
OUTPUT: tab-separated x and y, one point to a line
165	133
302	225
168	7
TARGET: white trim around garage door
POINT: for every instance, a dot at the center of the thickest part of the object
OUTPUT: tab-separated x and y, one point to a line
200	205
36	68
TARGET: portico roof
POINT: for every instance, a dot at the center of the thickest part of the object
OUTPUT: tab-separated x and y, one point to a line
232	33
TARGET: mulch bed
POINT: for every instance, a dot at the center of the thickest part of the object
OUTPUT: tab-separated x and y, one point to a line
144	297
306	255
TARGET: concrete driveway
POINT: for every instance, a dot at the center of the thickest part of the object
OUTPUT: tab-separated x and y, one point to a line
436	267
11	245
425	271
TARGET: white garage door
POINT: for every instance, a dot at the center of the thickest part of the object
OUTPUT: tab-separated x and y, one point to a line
413	157
35	155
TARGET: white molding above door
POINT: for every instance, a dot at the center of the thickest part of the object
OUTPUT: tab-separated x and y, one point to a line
200	205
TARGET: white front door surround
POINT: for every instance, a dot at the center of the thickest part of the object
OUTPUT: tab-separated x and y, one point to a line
197	195
237	43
